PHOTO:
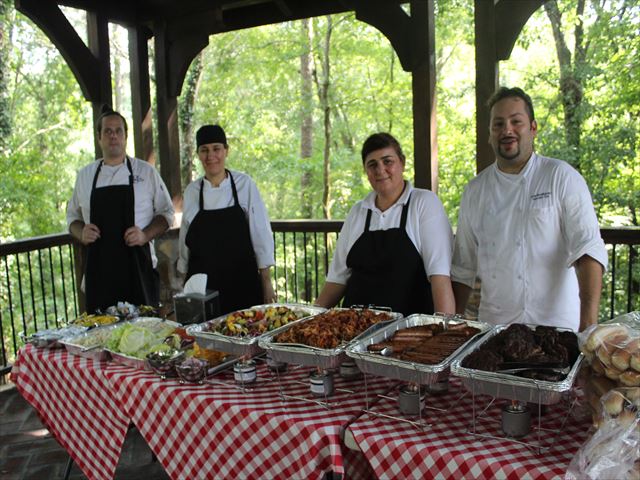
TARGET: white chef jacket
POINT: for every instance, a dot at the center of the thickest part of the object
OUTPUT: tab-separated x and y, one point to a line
151	195
522	234
427	226
222	197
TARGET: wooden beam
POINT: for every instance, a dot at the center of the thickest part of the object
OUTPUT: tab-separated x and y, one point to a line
486	78
510	17
98	39
167	111
497	27
394	23
423	84
50	19
140	94
413	39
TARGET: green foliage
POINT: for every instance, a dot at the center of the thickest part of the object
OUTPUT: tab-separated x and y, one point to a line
251	85
50	139
609	154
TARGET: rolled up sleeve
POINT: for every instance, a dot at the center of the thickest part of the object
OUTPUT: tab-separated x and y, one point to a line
464	265
436	239
580	224
162	204
260	229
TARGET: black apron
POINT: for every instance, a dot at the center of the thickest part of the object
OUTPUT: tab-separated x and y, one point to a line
220	245
116	272
387	270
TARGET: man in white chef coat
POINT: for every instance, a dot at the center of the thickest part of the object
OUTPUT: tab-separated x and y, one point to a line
119	205
527	228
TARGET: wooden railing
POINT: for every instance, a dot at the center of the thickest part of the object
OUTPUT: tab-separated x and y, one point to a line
39	277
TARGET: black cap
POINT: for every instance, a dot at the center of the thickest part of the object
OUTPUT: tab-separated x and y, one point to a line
210	134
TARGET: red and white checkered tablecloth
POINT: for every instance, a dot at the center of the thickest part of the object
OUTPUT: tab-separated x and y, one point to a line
74	401
219	431
445	449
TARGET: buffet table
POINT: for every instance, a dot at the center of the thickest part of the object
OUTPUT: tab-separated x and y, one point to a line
221	431
196	431
74	401
446	450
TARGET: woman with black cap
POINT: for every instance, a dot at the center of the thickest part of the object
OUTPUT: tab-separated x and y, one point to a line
225	231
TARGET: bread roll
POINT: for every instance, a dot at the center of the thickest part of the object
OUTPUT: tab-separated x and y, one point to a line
626	418
600	385
595	404
630	378
633	346
634	361
612	373
613	403
604	355
600	332
611	343
633	395
597	366
620	359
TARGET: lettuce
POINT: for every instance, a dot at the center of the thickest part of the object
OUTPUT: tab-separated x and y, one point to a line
136	341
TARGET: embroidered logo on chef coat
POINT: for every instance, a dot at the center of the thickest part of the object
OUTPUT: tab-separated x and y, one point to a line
540	196
137	179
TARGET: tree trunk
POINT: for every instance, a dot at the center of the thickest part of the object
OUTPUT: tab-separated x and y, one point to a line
571	88
306	113
185	118
323	84
5	114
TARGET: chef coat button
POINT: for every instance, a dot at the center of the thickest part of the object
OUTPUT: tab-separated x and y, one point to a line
519	277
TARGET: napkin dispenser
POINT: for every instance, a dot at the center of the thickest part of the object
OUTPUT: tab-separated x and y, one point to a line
196	307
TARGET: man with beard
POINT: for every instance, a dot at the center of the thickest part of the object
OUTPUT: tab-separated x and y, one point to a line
528	230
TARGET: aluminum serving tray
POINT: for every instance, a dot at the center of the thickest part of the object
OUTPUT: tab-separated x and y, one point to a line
52	337
313	356
130	361
242	346
376	364
126	360
511	387
93	352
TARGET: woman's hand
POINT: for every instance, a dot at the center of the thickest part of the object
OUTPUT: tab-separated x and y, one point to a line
269	294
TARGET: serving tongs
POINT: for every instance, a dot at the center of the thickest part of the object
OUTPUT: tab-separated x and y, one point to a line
546	367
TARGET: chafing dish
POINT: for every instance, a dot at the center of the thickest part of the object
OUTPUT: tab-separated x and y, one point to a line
132	361
51	337
313	356
242	346
90	344
507	386
377	364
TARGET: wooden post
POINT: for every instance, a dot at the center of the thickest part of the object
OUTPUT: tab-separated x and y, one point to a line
423	82
168	138
140	94
98	36
486	78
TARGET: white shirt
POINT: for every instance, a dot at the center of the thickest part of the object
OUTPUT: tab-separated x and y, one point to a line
522	234
151	195
222	197
427	226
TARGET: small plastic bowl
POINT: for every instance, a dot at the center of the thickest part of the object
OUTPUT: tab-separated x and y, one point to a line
164	363
192	370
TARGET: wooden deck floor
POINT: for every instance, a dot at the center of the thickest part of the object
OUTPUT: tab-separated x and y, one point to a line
28	450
